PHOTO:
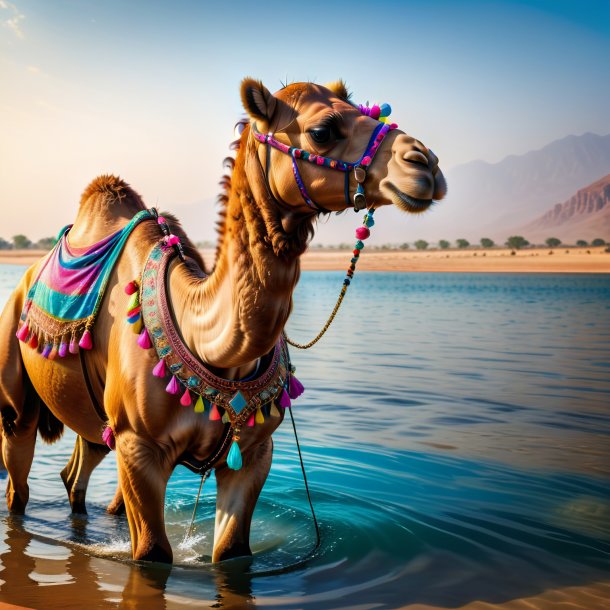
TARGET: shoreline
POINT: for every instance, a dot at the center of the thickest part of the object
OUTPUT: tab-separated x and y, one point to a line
531	260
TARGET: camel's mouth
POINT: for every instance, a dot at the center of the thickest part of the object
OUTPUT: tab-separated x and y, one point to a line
406	202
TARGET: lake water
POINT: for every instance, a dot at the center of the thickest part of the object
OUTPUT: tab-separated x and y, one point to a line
455	431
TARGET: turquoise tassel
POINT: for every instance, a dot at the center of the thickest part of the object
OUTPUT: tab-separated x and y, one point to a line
234	458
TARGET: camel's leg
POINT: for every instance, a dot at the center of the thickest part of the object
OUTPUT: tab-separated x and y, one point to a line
143	474
117	505
237	493
19	411
85	458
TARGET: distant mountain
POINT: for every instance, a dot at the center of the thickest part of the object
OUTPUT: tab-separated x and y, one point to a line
586	215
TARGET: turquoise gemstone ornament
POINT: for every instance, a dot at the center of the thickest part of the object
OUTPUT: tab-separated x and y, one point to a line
234	461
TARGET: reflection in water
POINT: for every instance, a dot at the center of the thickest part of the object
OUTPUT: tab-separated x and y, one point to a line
455	430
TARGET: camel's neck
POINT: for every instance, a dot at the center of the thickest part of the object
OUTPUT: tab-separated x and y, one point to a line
236	315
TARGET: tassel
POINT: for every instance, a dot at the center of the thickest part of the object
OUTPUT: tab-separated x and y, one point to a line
172	240
172	386
108	437
273	411
250	422
47	350
144	340
199	406
133	313
186	400
295	387
134	301
33	341
214	414
131	288
85	341
260	418
73	347
22	333
225	418
284	399
137	325
53	353
159	370
234	461
63	349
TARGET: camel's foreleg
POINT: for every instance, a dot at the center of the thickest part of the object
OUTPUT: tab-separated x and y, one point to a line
144	470
85	458
237	494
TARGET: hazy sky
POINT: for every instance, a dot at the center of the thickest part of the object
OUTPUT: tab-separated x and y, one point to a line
150	90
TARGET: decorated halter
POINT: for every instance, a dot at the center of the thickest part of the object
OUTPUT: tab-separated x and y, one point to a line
360	167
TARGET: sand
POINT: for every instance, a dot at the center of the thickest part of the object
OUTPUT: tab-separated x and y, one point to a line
535	260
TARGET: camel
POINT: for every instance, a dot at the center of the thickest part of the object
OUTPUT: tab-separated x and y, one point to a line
231	320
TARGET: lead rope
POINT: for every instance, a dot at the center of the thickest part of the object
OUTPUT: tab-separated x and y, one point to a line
362	233
204	477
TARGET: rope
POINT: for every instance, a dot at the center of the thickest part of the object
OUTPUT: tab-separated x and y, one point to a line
204	476
324	328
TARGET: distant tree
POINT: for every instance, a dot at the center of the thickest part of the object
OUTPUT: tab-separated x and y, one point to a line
462	243
46	243
581	243
421	244
404	246
5	245
553	242
598	242
516	242
21	242
443	244
487	243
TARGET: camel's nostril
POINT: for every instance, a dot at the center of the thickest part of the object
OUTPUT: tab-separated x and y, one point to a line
414	156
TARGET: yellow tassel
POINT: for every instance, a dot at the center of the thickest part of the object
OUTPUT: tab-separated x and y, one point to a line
137	326
274	412
259	419
134	301
199	407
225	418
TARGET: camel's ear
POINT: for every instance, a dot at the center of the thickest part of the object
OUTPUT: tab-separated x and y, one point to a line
339	88
257	100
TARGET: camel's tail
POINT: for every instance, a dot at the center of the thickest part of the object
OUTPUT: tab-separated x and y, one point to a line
50	428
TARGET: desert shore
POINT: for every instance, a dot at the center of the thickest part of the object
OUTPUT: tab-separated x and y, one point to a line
534	260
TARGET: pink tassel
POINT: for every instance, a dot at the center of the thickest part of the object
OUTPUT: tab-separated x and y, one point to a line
284	399
131	288
22	333
33	341
173	240
172	386
295	387
144	340
186	400
214	414
63	349
362	233
85	341
161	220
108	437
159	370
73	348
250	422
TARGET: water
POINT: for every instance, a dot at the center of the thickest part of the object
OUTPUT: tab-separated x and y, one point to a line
455	431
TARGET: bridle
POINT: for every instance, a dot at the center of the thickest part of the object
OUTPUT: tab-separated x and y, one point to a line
360	167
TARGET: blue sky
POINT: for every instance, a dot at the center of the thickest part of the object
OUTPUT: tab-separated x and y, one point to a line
150	90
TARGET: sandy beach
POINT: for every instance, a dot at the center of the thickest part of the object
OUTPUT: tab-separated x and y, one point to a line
534	260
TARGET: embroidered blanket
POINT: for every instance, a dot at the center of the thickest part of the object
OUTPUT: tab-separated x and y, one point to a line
62	304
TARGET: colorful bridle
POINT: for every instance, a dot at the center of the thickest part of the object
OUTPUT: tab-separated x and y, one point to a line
360	167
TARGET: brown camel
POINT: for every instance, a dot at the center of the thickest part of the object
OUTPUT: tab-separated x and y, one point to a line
229	320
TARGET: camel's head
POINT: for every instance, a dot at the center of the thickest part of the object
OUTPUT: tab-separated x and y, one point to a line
305	131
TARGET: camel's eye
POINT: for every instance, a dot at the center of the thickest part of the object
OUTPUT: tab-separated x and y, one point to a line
321	135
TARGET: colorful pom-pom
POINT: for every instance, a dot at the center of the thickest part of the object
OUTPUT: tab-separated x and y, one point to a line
161	220
134	301
172	240
172	387
375	112
144	339
131	288
234	461
108	437
159	370
385	110
22	333
86	341
359	245
63	349
362	232
295	387
199	406
186	400
214	414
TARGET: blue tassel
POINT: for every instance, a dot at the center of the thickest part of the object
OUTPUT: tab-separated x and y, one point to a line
234	458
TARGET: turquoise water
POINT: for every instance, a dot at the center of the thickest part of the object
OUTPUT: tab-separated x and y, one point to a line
455	431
